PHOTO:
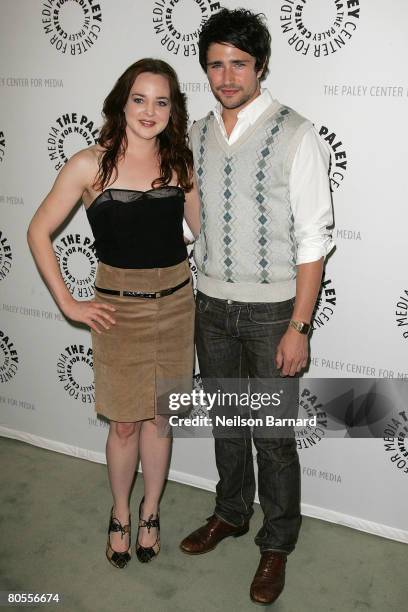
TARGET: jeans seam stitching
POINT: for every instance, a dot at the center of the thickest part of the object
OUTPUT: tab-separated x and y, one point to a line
269	322
245	448
236	327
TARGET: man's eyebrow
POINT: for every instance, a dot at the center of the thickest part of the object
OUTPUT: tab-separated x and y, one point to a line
235	61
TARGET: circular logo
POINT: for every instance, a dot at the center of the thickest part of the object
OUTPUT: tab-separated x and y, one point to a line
2	146
72	26
201	407
193	268
325	304
77	260
70	133
395	441
319	27
75	372
401	313
197	420
338	165
8	358
178	23
310	407
6	256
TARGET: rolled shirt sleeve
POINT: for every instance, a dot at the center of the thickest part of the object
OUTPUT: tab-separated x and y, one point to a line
310	198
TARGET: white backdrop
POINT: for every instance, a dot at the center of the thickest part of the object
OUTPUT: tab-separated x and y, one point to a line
340	63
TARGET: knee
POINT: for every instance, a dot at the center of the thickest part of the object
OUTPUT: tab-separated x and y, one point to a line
281	451
124	431
160	424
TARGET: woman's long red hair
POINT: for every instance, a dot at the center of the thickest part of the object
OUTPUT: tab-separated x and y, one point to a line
175	155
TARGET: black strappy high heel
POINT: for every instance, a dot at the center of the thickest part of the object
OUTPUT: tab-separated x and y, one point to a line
147	554
118	559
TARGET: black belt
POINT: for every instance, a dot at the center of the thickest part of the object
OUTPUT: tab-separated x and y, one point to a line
142	294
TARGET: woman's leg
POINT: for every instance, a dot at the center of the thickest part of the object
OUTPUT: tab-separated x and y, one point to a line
154	449
121	456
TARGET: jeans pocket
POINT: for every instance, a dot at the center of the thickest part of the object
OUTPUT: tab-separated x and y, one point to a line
201	305
271	313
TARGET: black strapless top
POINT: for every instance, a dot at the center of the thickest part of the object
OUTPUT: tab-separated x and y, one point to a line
139	229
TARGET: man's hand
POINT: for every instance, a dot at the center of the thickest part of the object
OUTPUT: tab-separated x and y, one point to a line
292	352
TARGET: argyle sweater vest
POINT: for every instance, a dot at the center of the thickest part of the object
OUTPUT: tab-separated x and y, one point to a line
246	250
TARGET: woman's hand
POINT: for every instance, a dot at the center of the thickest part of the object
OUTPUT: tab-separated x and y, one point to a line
91	313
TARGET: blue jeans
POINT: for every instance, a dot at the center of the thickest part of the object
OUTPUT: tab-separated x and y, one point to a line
236	340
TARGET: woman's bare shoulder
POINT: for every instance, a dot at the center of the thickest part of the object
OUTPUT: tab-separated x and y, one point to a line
87	158
85	163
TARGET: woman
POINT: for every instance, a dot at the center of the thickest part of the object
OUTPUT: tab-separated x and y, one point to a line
135	184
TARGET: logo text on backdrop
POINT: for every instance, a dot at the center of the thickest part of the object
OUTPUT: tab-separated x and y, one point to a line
319	29
72	26
179	22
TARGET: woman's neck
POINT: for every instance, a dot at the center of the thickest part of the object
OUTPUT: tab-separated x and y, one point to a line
141	147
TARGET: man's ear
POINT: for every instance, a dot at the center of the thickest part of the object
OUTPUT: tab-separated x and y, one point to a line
261	71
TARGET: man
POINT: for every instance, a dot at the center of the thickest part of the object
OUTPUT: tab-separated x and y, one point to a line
262	174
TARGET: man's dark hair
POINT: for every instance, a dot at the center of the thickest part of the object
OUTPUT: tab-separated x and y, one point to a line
242	29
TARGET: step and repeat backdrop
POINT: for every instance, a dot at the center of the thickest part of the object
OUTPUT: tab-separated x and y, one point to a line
340	63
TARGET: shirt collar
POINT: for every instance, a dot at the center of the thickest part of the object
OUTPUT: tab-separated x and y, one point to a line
253	110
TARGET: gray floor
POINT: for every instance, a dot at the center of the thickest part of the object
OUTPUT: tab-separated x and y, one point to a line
54	514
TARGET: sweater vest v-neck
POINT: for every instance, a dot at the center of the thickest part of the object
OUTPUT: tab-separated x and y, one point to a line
246	250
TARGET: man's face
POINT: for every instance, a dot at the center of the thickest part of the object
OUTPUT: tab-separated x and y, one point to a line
232	75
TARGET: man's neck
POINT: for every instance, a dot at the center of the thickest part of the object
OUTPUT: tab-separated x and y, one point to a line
230	121
230	115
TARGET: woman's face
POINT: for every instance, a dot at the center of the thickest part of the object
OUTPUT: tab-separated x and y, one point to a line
147	110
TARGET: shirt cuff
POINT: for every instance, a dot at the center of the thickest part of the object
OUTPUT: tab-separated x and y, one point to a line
314	248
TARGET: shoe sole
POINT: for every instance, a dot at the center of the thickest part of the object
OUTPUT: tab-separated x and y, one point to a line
261	603
264	603
238	534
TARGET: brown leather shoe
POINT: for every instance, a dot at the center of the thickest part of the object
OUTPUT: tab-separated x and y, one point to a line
207	537
269	578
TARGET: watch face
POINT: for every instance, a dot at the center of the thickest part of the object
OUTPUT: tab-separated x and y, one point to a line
300	326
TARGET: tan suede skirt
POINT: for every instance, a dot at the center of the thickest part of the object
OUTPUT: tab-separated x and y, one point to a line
149	352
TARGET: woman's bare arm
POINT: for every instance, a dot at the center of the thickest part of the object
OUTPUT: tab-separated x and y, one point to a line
74	178
192	210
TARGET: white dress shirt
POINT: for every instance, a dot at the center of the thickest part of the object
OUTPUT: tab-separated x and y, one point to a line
309	186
